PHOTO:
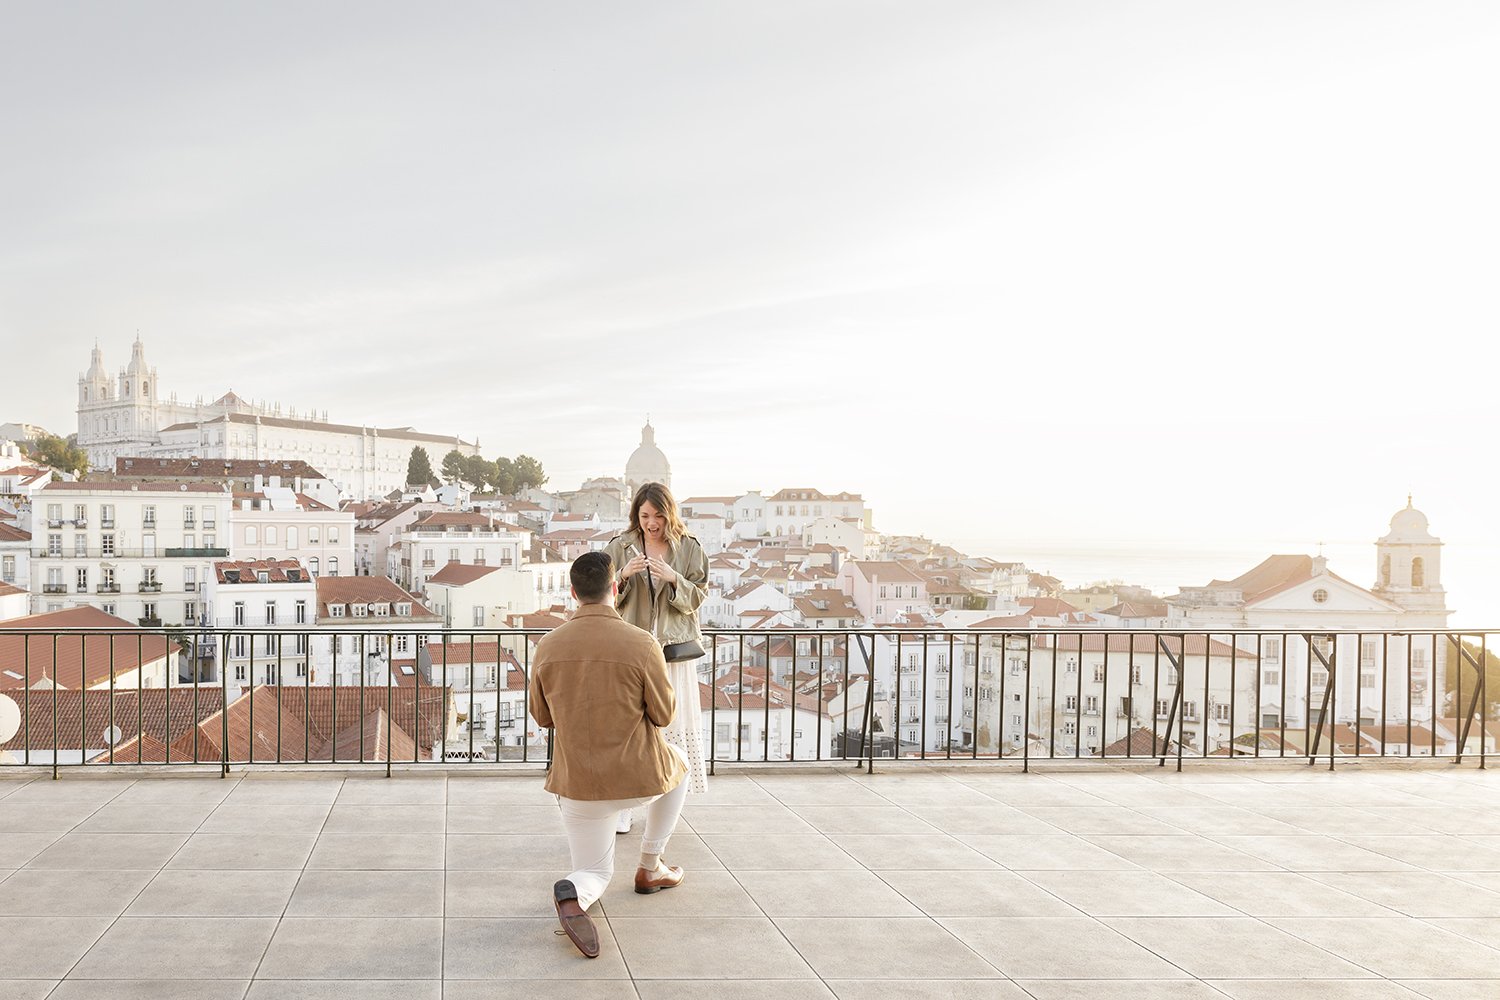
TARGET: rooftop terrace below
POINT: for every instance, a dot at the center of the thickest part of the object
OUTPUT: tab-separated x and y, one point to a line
1229	880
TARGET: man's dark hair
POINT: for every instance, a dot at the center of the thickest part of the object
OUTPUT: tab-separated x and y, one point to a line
591	575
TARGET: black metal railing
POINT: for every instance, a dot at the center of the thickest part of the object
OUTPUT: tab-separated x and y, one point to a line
384	692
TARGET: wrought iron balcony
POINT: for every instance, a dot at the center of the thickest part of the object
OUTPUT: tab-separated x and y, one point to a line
197	553
150	588
54	588
107	588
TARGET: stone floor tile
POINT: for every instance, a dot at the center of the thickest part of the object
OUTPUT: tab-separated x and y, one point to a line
1416	894
740	989
285	790
46	947
926	852
506	949
1032	790
1180	853
383	851
345	818
45	817
1313	989
150	989
69	789
1485	880
706	894
863	819
791	852
146	817
851	947
924	989
110	851
829	791
728	948
62	893
733	790
483	893
1113	820
540	989
17	849
26	989
399	790
178	948
1036	852
189	893
328	893
948	794
1114	989
234	817
355	948
508	852
1208	820
1396	947
1232	948
198	790
990	819
1485	930
824	894
467	790
1453	989
976	894
1330	822
349	989
1058	948
685	850
505	817
762	820
1128	894
244	851
1279	894
1431	851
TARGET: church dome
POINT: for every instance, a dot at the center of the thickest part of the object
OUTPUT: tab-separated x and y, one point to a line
96	372
647	464
1408	525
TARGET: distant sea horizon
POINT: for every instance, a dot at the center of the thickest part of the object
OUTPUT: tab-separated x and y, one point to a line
1166	567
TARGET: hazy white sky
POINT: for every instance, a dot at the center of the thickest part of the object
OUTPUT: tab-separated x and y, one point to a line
1220	274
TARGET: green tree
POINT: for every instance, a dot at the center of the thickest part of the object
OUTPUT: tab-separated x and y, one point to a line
479	471
529	472
453	466
505	476
49	449
419	467
1461	671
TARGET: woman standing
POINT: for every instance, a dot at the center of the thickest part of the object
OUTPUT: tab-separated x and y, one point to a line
663	577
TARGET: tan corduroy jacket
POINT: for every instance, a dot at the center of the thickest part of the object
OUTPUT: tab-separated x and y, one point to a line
676	604
601	684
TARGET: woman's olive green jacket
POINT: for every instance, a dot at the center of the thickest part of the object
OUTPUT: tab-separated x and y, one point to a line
676	604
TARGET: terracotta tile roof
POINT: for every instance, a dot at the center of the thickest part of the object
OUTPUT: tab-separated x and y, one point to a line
213	468
1047	607
457	574
83	716
106	486
1141	742
1137	609
453	518
248	571
884	570
10	533
7	589
368	590
143	748
374	738
74	661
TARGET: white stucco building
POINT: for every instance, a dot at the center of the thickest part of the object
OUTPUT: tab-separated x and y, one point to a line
127	415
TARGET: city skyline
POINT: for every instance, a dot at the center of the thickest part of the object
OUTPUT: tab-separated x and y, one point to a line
998	268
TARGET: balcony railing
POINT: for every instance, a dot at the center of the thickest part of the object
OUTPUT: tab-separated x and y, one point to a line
150	588
796	695
197	553
107	588
54	588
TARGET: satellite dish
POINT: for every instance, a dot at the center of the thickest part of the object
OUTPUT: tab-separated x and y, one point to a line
112	735
10	718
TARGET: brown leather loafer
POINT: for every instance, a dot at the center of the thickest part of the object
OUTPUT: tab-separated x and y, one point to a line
649	882
576	924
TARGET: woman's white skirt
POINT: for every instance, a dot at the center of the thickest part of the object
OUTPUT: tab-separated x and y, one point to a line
685	732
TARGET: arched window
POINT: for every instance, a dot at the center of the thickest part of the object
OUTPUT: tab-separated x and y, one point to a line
333	565
1385	571
312	565
1418	573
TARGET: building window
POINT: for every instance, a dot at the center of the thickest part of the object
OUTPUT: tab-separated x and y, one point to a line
148	515
270	534
1320	596
80	545
239	612
190	579
1270	676
312	534
239	668
8	569
107	515
189	612
54	546
402	643
1418	572
251	535
312	565
333	534
333	565
270	612
1271	649
301	615
478	617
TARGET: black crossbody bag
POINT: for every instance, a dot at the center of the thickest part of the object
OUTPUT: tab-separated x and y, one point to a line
674	652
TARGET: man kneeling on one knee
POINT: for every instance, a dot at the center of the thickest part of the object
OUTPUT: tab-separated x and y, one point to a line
601	685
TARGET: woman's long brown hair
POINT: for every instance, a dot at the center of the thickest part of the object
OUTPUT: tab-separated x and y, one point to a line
661	499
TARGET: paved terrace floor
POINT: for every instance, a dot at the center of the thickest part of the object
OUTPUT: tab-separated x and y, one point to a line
1281	882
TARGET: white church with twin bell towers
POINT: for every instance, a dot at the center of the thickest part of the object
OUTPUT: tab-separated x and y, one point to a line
127	416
